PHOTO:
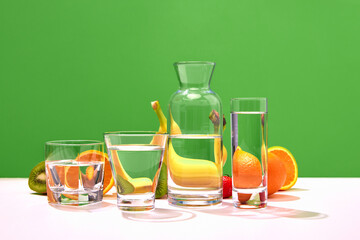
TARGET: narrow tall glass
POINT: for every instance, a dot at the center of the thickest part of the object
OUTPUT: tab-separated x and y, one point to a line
136	159
74	171
249	152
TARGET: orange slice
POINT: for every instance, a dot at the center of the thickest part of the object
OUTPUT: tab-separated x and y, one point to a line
290	164
93	155
90	173
72	177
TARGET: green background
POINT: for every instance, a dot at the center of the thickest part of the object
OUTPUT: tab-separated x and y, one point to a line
75	69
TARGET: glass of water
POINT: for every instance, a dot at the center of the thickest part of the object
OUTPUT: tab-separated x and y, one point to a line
135	159
249	152
74	171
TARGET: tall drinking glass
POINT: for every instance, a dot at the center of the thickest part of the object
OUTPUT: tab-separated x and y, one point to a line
249	152
74	171
135	159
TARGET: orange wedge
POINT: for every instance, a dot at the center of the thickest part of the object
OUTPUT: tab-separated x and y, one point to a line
90	173
290	164
72	177
93	155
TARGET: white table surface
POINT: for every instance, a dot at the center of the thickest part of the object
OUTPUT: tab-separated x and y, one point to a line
315	208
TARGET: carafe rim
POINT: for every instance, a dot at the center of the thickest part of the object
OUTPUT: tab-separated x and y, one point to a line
194	62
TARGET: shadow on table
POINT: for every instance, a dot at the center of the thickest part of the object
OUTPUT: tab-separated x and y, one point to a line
282	198
86	208
112	196
270	212
160	215
295	190
39	194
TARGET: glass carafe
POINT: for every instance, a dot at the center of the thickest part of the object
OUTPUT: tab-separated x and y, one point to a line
195	143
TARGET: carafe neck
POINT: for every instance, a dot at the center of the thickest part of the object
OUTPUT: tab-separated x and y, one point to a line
194	74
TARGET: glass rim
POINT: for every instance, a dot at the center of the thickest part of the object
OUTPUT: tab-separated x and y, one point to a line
249	105
194	62
135	133
249	98
74	142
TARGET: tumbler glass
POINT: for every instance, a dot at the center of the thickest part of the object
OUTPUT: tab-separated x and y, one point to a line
135	159
74	171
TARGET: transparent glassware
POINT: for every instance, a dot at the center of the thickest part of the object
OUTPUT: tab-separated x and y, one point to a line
195	141
136	158
74	171
249	152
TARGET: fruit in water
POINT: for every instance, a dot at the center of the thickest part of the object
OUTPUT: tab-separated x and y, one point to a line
72	176
215	119
224	158
161	188
90	173
290	165
276	173
227	186
72	172
123	186
243	197
188	172
93	156
140	185
224	148
37	178
224	155
246	170
69	175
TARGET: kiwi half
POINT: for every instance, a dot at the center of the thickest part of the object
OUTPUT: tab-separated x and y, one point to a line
161	188
37	178
123	186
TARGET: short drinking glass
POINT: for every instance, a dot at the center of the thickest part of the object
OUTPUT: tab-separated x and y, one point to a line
249	152
135	159
74	171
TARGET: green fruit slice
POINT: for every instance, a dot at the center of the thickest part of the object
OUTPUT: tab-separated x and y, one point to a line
123	186
37	178
161	188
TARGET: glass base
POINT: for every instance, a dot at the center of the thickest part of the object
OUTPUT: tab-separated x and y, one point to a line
136	202
79	199
194	198
250	198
